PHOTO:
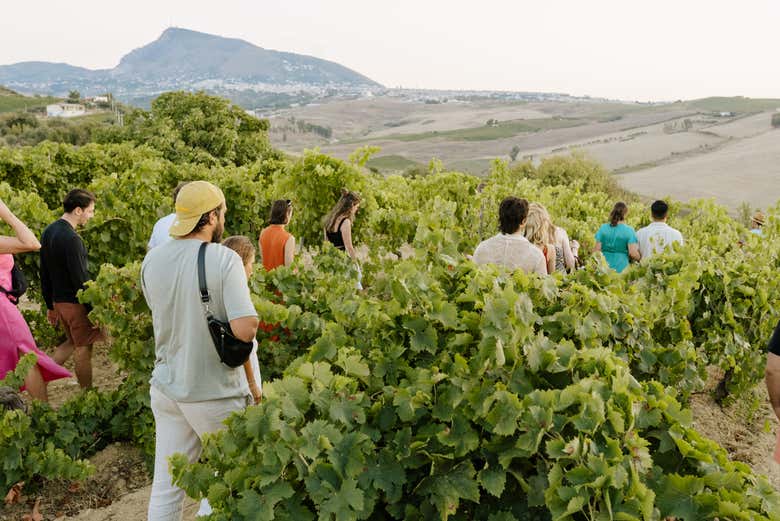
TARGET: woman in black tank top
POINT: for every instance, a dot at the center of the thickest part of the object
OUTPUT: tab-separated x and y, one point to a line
335	237
338	224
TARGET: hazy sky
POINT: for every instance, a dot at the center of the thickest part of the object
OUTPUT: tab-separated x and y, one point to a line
659	50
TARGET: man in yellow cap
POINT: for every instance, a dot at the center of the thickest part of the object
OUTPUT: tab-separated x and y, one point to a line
192	392
756	223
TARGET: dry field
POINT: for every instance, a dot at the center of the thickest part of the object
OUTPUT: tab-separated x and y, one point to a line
733	159
742	170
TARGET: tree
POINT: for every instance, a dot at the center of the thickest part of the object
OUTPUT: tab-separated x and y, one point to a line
74	96
17	121
197	128
513	153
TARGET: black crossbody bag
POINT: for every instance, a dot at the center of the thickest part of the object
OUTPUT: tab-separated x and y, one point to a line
232	351
18	285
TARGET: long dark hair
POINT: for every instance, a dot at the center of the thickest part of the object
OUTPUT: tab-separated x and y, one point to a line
346	202
618	213
279	211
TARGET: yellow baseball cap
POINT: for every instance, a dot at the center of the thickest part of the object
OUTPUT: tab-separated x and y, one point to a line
194	199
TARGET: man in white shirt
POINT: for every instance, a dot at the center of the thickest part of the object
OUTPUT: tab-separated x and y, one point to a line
160	233
509	248
192	392
657	236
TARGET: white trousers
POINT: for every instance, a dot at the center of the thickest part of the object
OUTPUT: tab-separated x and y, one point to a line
179	427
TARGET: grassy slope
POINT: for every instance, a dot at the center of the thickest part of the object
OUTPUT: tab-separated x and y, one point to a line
734	104
391	163
504	129
11	101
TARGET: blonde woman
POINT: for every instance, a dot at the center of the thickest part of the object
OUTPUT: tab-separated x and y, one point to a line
540	232
565	250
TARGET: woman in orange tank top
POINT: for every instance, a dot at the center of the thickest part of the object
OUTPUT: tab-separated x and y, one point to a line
277	245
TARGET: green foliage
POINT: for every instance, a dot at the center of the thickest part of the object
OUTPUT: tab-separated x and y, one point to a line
314	183
52	169
195	128
443	390
25	450
465	407
24	129
11	101
576	170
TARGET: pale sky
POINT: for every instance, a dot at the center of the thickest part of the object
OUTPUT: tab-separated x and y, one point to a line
659	50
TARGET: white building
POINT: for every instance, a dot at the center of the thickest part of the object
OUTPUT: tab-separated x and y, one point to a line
65	110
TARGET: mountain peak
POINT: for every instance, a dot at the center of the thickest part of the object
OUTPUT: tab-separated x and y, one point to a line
184	53
183	59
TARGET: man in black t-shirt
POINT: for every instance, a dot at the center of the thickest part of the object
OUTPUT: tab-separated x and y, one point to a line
63	274
773	370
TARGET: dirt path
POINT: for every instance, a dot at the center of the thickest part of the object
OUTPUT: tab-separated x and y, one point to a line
131	507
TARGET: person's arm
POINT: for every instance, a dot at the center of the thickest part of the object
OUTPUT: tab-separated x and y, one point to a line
24	239
568	255
597	247
240	311
550	260
633	247
772	377
633	252
257	394
244	328
346	235
289	251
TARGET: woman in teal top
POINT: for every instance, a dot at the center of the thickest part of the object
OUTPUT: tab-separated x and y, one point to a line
617	240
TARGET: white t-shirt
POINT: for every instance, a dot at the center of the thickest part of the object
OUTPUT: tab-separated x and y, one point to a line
513	252
656	237
186	366
160	231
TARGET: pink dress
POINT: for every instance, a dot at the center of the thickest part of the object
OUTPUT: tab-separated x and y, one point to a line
15	335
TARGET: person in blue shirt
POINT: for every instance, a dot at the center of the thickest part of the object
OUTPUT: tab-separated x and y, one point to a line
617	240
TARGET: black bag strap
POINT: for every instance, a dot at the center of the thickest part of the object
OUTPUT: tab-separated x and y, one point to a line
204	290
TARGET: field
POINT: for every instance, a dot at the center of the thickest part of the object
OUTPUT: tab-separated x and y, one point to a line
443	390
11	101
739	171
640	142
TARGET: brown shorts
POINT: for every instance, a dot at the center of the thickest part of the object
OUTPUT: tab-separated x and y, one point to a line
80	331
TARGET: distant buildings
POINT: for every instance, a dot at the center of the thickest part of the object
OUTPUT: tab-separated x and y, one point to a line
65	110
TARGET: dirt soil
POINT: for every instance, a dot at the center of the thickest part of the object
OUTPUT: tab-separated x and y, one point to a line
745	429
